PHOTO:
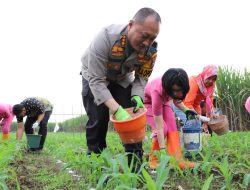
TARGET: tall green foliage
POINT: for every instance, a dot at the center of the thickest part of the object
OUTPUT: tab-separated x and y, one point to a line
75	124
233	88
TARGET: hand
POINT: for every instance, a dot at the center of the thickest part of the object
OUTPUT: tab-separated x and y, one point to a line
214	116
137	103
35	125
190	114
121	114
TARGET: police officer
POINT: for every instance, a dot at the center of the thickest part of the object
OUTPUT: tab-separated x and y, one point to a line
115	69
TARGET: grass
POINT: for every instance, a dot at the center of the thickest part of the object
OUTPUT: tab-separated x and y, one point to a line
8	151
224	164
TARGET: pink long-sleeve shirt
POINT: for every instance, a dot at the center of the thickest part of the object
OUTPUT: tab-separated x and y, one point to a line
154	100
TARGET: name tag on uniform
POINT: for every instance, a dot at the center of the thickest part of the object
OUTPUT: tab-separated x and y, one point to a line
146	67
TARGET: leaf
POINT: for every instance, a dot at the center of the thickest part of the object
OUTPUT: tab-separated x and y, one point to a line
150	182
123	163
102	180
246	180
162	172
207	183
196	168
3	185
162	165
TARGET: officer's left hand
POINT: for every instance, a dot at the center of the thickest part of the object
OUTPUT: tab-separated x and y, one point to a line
121	114
137	103
35	125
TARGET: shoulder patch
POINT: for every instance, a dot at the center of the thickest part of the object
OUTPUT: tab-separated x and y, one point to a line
117	51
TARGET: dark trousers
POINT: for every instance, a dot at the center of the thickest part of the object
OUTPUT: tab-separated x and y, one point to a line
42	127
97	125
210	130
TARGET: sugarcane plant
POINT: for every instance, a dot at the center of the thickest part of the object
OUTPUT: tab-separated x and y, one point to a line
233	88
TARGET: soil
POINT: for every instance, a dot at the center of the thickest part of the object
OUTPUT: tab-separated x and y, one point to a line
28	168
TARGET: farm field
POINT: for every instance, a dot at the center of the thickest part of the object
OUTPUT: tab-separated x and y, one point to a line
224	163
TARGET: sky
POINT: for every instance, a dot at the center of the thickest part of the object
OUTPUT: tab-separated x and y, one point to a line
41	42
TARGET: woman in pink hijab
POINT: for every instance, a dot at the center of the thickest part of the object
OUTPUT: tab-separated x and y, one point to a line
202	88
6	117
206	87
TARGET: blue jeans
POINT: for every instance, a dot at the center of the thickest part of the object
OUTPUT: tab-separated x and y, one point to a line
179	114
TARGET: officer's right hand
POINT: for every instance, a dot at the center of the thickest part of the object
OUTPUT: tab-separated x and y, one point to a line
121	114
